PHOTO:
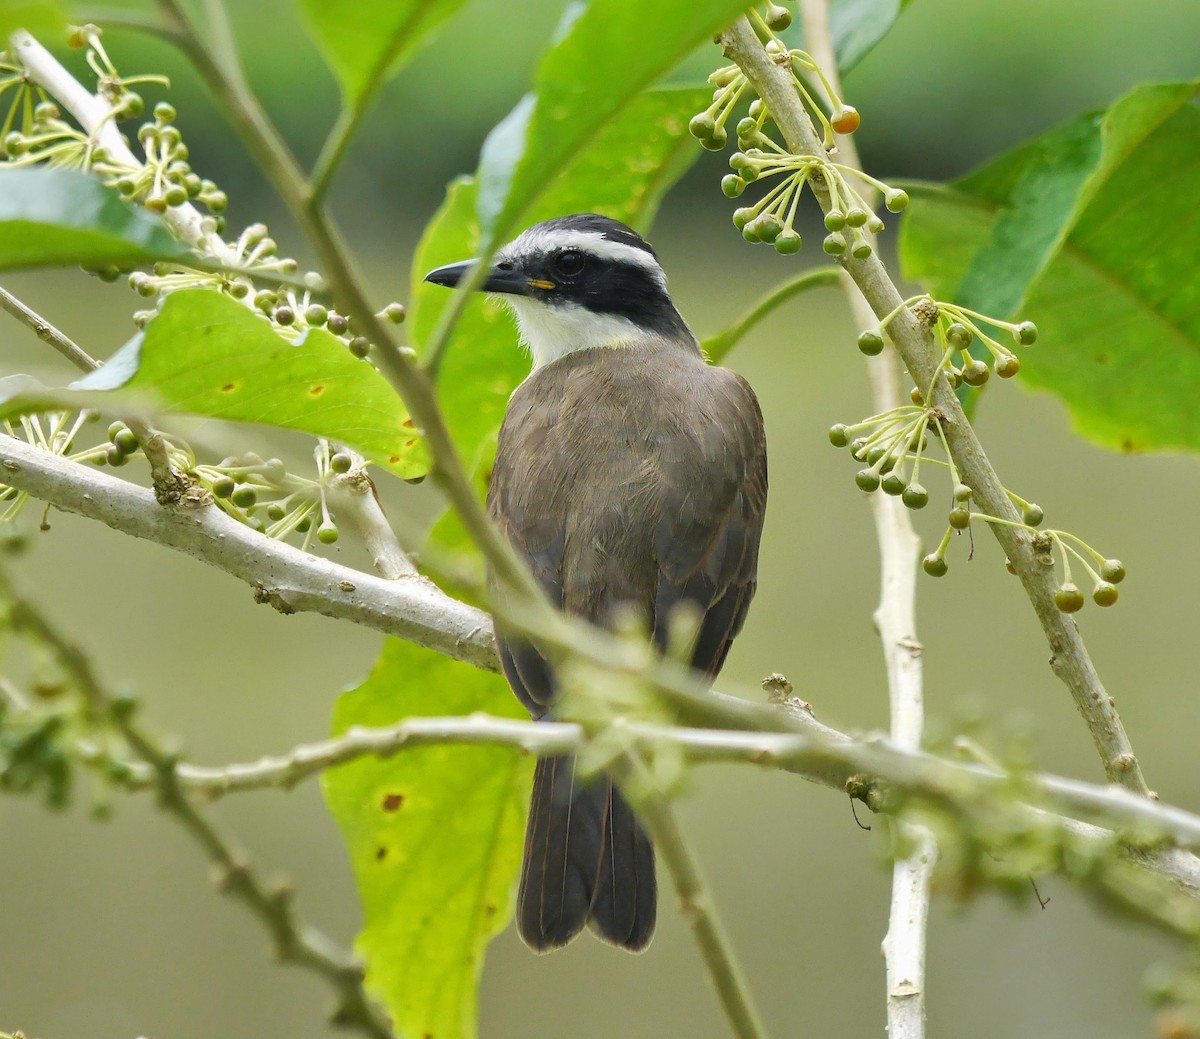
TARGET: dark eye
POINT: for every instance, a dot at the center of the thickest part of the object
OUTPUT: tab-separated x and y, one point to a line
569	263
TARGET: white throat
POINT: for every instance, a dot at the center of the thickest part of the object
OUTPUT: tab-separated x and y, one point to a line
553	330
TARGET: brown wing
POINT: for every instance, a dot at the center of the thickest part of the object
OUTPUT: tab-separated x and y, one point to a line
681	523
708	536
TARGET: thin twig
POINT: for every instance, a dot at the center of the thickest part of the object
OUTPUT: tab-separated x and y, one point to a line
1069	656
269	150
358	504
295	942
170	484
696	905
895	619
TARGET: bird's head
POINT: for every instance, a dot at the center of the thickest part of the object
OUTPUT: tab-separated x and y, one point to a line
578	282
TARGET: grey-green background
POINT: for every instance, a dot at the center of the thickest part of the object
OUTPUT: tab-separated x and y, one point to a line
113	930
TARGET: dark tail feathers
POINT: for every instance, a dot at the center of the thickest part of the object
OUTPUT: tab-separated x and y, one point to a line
587	861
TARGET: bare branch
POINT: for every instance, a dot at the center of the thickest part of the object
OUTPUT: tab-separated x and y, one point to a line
288	579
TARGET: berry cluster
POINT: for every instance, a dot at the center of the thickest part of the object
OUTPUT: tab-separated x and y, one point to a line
893	445
955	329
772	219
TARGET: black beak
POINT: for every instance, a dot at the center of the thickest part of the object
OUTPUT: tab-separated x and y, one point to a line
509	280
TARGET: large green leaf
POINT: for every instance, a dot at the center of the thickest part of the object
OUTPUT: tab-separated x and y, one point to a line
206	354
1088	231
55	217
41	18
607	52
366	40
434	834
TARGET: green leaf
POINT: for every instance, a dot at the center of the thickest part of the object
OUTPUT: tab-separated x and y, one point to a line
206	354
365	41
56	217
434	835
45	19
857	25
1088	232
607	52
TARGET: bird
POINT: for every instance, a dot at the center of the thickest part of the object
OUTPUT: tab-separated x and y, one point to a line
631	477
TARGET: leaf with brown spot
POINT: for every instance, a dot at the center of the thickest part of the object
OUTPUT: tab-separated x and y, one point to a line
202	345
443	885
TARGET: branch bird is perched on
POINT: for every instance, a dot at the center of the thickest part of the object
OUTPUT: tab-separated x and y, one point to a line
629	475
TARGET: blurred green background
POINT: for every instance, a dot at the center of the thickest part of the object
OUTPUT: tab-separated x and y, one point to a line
113	929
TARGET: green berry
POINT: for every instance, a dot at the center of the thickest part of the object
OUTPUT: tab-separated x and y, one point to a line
275	511
341	462
224	486
861	249
769	227
934	566
1008	366
1032	515
788	242
338	324
960	518
874	225
315	314
304	525
874	454
777	18
835	220
856	216
114	429
1026	333
895	200
327	533
743	216
395	313
265	300
915	496
164	112
1068	598
746	126
958	335
867	480
284	315
975	372
359	346
717	141
962	492
1104	594
175	195
1113	571
893	484
758	109
732	185
916	396
702	126
126	442
115	456
870	342
838	436
244	497
834	244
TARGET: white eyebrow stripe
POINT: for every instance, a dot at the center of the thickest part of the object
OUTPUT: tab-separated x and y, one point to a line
535	241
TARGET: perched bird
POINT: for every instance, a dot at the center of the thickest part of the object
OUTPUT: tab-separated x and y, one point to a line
629	475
